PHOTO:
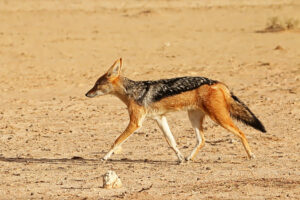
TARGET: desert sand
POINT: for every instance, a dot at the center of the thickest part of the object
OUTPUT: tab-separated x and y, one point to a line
52	137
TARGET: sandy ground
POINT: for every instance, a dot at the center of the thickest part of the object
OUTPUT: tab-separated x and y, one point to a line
52	137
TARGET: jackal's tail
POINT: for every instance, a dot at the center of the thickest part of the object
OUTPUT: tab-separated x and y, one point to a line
241	112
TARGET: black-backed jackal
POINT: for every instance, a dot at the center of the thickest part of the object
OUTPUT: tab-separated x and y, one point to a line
199	96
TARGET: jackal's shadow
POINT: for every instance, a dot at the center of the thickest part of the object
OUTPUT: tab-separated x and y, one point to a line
81	161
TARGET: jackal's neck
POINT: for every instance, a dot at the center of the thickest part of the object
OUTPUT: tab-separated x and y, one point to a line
125	85
136	90
128	83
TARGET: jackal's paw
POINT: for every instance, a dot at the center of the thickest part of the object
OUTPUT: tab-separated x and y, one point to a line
188	160
181	160
106	157
252	156
103	160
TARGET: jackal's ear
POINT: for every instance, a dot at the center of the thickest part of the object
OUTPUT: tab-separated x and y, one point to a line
115	69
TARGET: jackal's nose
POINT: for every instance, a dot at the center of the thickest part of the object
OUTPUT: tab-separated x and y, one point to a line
88	94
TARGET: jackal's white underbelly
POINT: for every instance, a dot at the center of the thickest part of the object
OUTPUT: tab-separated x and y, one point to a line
154	111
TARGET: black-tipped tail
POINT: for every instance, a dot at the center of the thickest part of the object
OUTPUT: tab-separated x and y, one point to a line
241	112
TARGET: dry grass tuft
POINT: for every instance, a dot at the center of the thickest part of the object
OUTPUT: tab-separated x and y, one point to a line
275	24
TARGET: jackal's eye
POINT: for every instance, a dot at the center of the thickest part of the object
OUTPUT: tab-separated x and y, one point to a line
101	81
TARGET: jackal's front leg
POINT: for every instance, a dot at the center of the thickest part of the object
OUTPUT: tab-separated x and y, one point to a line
163	125
128	131
136	120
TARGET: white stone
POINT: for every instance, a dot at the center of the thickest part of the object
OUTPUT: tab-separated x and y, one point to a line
111	180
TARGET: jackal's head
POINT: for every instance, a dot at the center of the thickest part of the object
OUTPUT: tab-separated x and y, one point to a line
105	84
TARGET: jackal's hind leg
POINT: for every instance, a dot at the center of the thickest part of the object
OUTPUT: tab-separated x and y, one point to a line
163	125
196	117
232	128
217	109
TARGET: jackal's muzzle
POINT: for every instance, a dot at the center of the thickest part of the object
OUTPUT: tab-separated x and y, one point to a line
91	93
94	92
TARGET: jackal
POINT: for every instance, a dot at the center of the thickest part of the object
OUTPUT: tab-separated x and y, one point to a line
199	96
